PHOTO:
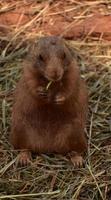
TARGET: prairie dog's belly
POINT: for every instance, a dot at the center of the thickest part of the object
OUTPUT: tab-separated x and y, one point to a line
50	138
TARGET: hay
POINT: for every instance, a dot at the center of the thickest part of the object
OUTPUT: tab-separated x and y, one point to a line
53	177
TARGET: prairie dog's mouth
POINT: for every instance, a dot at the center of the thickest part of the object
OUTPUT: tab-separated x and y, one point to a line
50	79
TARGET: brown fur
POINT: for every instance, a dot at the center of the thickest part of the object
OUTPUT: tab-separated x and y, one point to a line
51	121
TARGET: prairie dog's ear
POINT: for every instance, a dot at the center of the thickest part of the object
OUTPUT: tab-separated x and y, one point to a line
31	45
74	52
77	56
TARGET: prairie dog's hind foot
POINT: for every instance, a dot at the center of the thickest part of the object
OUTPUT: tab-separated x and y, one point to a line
76	159
24	158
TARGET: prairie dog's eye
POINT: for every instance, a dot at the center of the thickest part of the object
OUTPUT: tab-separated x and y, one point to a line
63	55
41	58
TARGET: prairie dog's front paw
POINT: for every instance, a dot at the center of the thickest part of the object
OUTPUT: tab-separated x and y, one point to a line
41	92
59	99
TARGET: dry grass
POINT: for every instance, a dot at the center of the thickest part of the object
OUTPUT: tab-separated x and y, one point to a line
53	177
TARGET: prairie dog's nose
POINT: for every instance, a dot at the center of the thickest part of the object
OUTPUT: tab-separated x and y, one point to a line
54	74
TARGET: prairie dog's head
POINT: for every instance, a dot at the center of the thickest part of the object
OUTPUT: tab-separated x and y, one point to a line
50	57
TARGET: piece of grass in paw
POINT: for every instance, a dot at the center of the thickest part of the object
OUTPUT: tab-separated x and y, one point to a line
48	85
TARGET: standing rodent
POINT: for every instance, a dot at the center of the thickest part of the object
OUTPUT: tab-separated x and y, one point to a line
50	119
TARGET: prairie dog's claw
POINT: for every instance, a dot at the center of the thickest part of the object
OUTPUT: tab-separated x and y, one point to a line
59	99
77	161
24	158
42	92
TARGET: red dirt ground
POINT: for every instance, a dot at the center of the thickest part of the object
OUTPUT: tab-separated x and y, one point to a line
58	18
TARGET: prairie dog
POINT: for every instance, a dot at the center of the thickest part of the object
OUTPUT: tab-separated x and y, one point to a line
50	108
